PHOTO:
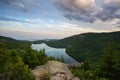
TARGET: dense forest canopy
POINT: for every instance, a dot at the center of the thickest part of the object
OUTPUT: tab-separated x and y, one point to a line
85	46
99	53
18	58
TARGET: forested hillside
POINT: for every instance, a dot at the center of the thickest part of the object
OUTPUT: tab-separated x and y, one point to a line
17	58
11	43
85	46
99	53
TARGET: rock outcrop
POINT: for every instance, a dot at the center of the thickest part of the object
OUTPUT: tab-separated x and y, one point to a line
54	70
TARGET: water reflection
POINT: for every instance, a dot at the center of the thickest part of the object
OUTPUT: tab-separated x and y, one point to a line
55	52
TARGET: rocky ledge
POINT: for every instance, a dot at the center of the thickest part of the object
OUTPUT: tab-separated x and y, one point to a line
53	70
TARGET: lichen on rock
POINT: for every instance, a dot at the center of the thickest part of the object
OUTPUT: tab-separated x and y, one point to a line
54	70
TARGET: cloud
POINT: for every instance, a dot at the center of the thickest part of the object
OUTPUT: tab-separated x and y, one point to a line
15	3
25	5
11	19
77	9
89	10
6	1
110	10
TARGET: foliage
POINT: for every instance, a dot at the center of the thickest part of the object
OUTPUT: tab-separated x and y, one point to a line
108	67
85	46
86	65
33	58
81	73
13	67
10	43
42	57
18	58
110	62
21	72
30	58
99	63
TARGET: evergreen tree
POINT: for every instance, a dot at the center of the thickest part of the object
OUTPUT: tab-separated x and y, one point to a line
110	62
20	72
12	67
30	58
42	57
86	66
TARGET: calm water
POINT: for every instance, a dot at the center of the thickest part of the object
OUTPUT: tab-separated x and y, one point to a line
55	52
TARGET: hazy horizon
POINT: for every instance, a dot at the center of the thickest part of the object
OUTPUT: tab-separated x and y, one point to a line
35	39
57	19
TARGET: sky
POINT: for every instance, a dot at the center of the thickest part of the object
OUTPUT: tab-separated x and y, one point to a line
57	19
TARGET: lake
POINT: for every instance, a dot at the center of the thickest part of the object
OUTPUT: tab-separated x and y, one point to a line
55	52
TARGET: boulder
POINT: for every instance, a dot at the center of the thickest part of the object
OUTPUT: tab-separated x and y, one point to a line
55	70
75	78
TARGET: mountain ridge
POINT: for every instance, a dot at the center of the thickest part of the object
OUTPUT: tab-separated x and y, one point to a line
86	46
81	47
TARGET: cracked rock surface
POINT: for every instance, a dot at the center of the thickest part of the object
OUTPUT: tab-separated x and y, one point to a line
56	70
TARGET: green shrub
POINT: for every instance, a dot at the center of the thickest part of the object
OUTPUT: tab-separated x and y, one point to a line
21	72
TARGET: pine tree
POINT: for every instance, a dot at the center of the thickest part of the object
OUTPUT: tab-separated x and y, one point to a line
110	62
20	72
86	66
